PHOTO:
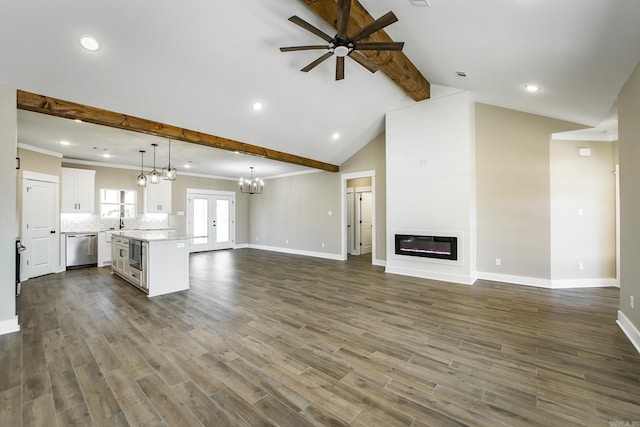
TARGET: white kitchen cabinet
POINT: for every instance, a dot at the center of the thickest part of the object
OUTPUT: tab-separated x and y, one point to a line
120	261
157	197
78	190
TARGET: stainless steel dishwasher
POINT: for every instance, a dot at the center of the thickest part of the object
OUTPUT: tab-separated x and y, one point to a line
82	250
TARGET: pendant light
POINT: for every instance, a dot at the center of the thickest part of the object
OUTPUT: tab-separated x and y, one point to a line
154	175
142	180
169	172
251	186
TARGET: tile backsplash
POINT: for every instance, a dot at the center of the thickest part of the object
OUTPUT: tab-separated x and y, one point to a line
89	222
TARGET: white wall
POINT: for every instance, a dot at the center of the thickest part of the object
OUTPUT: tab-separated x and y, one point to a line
430	152
8	228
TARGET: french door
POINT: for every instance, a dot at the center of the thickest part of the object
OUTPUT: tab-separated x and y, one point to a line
211	219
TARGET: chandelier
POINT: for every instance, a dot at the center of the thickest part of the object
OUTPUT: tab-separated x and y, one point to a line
251	185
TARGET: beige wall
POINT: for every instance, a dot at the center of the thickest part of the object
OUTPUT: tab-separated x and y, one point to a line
629	148
295	209
179	203
372	157
583	224
513	191
8	227
34	161
359	182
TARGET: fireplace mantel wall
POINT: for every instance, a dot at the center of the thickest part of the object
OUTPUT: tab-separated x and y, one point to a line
430	151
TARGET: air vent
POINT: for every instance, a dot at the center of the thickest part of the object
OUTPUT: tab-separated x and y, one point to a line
420	3
461	74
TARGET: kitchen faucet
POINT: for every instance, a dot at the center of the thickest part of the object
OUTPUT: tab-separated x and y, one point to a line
121	223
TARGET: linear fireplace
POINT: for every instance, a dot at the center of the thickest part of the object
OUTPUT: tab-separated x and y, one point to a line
427	246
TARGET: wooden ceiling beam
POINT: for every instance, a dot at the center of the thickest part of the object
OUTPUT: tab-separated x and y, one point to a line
396	65
71	110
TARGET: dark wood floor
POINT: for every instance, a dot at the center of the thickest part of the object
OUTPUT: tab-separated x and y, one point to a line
272	339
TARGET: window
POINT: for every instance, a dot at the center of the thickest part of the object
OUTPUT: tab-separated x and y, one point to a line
117	203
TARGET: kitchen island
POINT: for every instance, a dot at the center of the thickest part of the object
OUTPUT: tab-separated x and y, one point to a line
156	262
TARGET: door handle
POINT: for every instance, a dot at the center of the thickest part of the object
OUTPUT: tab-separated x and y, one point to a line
53	232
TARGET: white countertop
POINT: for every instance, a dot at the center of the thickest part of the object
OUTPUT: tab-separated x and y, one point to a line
151	235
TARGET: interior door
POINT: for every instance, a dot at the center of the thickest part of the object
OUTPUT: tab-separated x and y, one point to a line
39	227
211	221
366	222
350	221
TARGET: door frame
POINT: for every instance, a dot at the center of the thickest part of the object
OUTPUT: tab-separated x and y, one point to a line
343	199
232	229
58	242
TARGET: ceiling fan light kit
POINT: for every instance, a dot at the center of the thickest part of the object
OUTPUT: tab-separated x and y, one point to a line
342	45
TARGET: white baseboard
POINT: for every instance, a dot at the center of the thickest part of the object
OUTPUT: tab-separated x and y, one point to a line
325	255
548	283
583	283
241	246
379	262
9	326
464	280
629	330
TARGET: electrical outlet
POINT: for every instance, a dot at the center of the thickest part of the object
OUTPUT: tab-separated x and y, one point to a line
257	239
286	241
323	244
498	261
631	301
580	266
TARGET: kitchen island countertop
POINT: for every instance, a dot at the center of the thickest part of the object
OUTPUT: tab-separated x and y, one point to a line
152	235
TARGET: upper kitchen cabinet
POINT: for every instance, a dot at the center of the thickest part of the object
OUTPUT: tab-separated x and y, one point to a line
78	190
157	197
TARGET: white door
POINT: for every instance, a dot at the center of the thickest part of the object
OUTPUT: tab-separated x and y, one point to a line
211	221
39	227
366	226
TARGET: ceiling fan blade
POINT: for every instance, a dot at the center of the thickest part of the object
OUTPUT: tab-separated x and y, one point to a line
304	24
362	60
296	48
316	62
378	24
342	23
380	46
339	67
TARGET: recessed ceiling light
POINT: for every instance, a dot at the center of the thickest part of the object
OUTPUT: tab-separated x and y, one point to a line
335	136
422	3
187	166
532	88
106	155
90	43
257	106
65	143
77	120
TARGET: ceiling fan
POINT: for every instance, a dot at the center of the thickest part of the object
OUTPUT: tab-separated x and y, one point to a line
342	45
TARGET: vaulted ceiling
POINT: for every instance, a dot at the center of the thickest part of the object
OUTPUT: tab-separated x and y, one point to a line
201	65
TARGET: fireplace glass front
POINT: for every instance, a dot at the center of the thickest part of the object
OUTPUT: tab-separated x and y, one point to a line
439	247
